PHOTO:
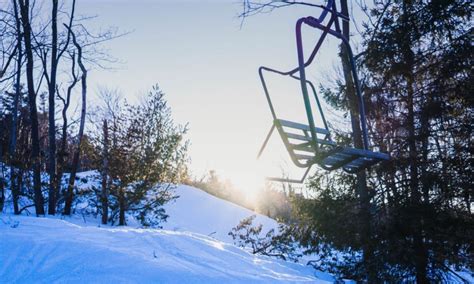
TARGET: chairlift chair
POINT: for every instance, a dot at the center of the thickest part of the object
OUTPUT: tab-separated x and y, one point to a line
307	144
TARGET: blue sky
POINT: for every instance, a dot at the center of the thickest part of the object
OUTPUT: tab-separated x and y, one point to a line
207	65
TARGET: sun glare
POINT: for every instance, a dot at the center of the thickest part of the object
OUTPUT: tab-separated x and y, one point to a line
250	180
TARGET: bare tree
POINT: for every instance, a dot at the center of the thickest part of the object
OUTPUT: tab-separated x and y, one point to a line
250	8
51	109
8	45
2	168
35	153
51	78
10	73
14	185
66	101
105	173
75	162
25	41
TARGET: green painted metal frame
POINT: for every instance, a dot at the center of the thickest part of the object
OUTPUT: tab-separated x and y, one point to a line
321	155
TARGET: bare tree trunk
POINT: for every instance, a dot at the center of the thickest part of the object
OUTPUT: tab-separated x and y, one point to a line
14	185
62	152
75	162
19	182
121	199
364	197
51	110
2	174
66	102
35	152
105	173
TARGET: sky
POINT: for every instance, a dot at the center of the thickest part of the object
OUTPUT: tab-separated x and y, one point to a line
206	62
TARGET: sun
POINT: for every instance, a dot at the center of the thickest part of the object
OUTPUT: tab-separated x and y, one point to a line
249	180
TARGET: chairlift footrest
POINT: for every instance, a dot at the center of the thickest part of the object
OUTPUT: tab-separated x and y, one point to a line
352	160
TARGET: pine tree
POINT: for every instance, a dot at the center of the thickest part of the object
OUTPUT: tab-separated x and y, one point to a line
418	74
146	140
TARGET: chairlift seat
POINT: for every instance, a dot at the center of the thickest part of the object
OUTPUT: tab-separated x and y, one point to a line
325	152
307	144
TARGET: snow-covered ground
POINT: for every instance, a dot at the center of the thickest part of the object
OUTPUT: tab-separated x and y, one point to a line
193	247
200	212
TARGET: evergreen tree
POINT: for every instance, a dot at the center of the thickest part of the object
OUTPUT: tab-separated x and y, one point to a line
419	79
146	156
417	74
416	67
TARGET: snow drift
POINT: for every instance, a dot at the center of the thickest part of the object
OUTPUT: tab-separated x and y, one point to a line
200	212
193	247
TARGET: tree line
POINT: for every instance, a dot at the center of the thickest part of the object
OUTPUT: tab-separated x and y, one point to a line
47	53
410	219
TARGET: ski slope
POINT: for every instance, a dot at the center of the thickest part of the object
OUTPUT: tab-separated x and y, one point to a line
193	247
197	211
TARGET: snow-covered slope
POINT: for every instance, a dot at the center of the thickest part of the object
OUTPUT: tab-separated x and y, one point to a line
52	250
200	212
187	251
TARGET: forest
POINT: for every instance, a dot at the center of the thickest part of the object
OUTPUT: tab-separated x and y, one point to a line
405	219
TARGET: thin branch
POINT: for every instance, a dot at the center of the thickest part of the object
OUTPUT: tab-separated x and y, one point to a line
68	38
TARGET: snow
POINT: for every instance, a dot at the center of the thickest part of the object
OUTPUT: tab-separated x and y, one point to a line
200	212
53	250
193	247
